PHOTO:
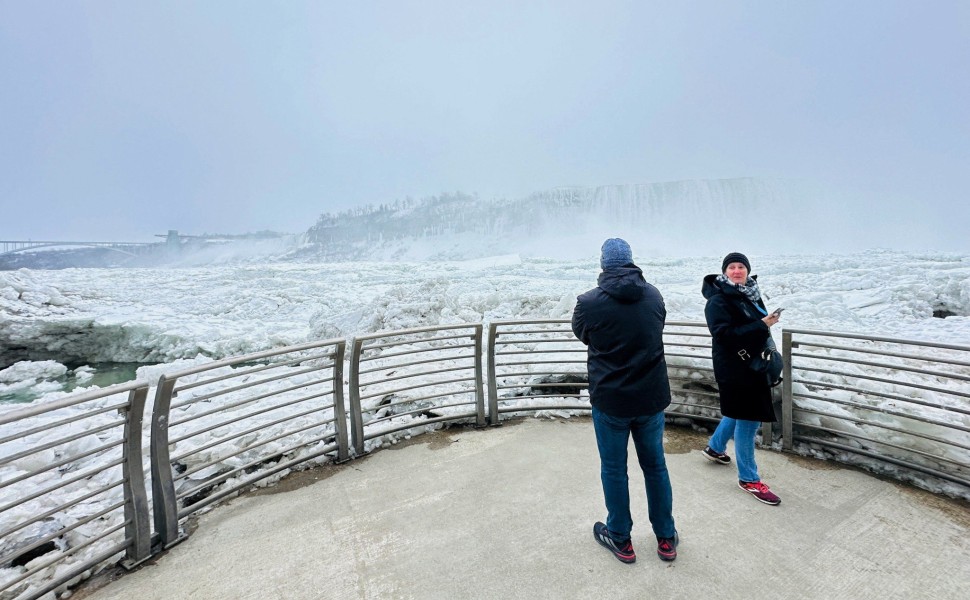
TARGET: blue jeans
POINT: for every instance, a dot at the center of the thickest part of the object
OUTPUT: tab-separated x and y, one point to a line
743	433
612	439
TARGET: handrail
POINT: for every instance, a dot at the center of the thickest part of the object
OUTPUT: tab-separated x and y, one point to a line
940	420
876	338
444	342
220	424
301	390
97	456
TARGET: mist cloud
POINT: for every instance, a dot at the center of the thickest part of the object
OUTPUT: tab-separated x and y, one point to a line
122	121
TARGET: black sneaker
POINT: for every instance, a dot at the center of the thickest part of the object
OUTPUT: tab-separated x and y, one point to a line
624	552
667	547
718	457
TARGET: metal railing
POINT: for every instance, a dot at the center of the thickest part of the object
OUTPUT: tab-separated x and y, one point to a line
534	366
687	348
879	401
241	420
414	377
73	489
539	366
220	427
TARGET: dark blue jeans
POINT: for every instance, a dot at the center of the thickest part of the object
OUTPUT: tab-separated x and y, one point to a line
612	439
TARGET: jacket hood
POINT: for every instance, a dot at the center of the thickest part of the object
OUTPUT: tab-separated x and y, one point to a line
625	284
712	286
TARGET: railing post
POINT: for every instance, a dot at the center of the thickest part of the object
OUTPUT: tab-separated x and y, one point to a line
766	435
138	531
339	410
492	383
787	407
356	416
165	507
479	388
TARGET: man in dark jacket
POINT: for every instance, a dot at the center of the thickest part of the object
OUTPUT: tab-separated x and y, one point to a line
621	321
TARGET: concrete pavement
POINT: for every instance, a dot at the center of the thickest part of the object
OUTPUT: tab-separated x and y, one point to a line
507	512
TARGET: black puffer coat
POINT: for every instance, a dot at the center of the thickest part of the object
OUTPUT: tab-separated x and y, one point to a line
735	324
621	321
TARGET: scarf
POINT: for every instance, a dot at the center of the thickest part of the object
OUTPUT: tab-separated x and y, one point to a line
749	288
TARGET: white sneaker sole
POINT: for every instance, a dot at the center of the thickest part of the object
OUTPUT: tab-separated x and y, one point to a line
714	460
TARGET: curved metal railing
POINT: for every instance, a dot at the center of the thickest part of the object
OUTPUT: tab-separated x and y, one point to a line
241	420
411	378
885	402
224	426
539	366
72	489
534	366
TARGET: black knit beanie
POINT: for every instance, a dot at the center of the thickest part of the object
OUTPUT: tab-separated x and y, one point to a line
733	258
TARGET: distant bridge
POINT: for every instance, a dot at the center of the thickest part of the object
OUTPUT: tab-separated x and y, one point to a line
173	239
14	246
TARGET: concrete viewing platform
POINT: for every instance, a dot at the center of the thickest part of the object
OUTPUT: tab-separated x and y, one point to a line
508	512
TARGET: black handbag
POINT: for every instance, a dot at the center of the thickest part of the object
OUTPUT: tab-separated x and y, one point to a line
769	362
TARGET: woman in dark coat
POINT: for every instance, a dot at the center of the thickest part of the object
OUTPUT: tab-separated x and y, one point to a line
740	325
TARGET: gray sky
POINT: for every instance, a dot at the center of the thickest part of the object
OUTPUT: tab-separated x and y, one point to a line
119	120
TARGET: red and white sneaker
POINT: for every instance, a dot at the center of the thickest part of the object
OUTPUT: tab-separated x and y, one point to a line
760	491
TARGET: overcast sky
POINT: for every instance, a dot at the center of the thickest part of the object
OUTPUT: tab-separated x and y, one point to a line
120	120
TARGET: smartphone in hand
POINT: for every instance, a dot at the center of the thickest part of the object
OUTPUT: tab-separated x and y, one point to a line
777	312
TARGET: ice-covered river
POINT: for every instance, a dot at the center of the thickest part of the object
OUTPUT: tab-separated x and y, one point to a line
97	322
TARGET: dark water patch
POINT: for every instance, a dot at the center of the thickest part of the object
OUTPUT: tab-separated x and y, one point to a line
101	374
105	374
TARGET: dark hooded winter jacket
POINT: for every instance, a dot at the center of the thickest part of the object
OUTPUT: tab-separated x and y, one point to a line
735	324
621	321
